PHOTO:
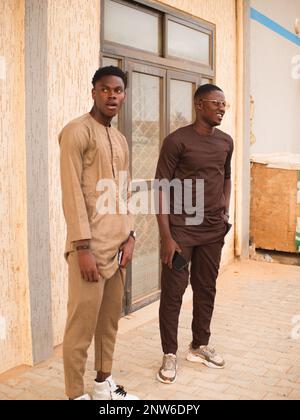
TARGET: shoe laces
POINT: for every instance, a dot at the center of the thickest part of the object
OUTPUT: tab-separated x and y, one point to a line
209	350
169	362
120	391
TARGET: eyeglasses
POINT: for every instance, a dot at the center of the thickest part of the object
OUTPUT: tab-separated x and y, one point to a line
217	103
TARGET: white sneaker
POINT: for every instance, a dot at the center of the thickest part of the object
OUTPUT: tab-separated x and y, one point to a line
84	397
108	390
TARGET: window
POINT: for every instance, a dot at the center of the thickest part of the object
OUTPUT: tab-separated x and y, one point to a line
187	43
162	36
181	106
172	55
204	81
132	27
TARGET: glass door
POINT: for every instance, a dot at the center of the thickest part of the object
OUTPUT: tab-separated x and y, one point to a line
145	122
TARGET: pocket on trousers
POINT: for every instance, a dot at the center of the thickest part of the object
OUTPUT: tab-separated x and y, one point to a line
122	272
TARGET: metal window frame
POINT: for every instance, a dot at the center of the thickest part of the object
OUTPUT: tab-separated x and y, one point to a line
165	13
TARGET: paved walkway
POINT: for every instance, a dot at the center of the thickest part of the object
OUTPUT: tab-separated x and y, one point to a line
252	327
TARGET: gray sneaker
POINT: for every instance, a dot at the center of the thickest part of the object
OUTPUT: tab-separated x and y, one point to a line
206	355
168	370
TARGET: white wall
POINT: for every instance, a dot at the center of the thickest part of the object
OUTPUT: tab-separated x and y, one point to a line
276	94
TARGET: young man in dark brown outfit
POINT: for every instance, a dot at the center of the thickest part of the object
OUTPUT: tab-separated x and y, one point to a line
198	151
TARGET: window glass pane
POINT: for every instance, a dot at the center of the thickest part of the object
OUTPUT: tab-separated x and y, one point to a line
145	264
128	26
145	125
181	104
205	81
187	43
107	61
145	152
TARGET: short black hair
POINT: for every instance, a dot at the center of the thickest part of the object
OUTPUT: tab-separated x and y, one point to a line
109	71
202	90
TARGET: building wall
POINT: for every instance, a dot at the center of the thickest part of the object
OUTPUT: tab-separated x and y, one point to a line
276	94
73	57
223	14
15	337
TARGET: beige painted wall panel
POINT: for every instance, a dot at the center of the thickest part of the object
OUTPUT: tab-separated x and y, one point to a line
242	182
276	128
73	57
15	341
222	13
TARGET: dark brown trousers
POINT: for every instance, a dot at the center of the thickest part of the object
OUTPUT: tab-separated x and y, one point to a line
205	261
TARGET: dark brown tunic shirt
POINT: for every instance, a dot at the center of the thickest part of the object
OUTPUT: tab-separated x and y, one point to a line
185	154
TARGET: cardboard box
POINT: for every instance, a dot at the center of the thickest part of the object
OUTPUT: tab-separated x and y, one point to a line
275	207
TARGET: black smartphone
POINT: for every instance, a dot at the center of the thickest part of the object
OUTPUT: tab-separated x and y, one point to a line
178	262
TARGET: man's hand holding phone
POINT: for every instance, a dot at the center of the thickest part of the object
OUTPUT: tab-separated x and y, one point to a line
168	249
126	252
179	262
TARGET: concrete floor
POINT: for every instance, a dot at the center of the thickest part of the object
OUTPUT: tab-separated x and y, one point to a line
256	327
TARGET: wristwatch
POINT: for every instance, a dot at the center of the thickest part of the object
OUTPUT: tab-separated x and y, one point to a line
132	234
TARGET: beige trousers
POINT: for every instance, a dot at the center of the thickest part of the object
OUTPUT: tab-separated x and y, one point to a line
94	310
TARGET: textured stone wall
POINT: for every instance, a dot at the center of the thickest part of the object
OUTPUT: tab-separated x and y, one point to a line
15	340
62	88
73	57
